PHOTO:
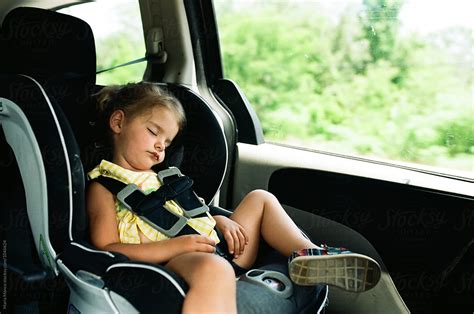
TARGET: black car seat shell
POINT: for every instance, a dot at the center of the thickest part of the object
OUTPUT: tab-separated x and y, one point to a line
47	114
43	101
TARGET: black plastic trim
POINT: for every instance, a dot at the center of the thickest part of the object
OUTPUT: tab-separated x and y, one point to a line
424	236
205	41
205	38
248	125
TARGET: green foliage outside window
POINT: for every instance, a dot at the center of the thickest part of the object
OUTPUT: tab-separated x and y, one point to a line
118	38
355	85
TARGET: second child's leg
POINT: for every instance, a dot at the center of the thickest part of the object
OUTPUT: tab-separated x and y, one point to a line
211	280
260	213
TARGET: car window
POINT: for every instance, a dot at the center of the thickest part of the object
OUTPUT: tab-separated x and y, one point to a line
390	80
118	36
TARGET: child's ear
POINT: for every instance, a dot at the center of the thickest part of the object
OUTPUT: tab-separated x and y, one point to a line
116	121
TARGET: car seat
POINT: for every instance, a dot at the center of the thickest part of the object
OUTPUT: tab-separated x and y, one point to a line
47	116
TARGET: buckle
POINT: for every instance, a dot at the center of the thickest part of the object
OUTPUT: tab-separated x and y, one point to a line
125	192
196	211
174	230
171	171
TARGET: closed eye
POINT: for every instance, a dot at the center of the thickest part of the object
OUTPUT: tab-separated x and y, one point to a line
152	132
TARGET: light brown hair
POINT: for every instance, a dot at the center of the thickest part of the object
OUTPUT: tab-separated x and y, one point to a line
137	99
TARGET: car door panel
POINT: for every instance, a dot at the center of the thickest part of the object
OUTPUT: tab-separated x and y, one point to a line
420	224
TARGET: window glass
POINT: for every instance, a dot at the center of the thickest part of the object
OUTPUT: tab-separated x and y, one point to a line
386	79
117	28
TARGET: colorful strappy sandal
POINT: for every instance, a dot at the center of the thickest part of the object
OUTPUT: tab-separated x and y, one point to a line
334	266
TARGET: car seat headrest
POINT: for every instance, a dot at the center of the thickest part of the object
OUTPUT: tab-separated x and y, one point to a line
43	43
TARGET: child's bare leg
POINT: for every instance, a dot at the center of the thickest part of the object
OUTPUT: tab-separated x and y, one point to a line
211	280
260	213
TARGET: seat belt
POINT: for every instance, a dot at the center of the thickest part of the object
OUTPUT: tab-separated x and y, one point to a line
156	55
123	64
150	207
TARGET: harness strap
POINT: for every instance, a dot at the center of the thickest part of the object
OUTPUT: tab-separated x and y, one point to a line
151	208
168	223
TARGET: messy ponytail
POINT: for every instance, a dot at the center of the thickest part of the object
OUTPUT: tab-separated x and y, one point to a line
104	96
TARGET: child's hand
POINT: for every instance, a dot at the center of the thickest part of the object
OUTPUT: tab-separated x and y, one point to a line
233	233
195	243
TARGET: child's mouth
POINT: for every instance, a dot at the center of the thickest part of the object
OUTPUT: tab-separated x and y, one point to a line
155	156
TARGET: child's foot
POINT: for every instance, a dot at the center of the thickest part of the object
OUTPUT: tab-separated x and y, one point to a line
334	266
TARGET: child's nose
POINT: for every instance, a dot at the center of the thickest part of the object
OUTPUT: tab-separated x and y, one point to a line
160	145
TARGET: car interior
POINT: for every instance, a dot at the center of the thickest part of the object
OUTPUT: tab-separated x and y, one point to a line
50	139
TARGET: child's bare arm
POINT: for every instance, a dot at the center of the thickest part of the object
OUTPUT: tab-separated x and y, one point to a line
102	216
234	234
104	234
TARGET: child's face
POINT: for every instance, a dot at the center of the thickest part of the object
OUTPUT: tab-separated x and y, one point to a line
140	142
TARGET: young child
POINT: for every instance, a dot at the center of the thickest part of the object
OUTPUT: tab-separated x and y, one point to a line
143	120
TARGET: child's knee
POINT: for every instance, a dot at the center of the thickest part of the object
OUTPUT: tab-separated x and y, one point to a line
212	265
261	195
